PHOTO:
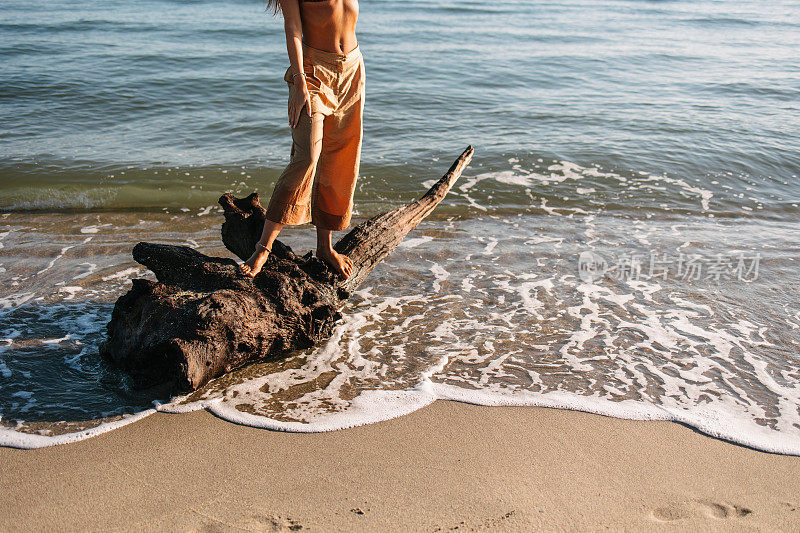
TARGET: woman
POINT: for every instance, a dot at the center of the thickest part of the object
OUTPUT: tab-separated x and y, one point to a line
326	103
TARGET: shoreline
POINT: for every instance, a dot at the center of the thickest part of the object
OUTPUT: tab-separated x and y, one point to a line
448	465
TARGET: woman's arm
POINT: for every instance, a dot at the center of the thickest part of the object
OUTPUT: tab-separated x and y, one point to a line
293	26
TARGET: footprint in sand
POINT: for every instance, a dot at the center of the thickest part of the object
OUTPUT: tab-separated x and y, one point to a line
687	509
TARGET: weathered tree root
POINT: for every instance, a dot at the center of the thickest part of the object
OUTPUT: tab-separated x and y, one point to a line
203	318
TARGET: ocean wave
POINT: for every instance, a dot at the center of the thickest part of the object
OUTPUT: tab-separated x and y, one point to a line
533	185
54	200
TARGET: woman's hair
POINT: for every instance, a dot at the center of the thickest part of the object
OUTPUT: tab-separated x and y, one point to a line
275	5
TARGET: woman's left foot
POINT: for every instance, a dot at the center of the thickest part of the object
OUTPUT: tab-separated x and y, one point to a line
253	265
340	263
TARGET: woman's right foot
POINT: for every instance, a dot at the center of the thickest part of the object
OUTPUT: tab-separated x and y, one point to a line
253	265
342	264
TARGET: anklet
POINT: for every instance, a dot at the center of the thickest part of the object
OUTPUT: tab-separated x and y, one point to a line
263	247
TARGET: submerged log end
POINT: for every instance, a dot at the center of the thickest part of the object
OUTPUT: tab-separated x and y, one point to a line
440	189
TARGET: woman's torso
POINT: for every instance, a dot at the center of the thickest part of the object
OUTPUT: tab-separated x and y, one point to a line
330	24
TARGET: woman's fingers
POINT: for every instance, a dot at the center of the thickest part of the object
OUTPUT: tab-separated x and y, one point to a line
299	112
294	116
296	109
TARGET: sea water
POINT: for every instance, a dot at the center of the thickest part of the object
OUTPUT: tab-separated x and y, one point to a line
660	141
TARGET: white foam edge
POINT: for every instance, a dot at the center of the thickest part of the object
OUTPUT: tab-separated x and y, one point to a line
30	441
378	405
713	426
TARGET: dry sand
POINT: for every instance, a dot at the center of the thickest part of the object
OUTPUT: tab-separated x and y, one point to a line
447	467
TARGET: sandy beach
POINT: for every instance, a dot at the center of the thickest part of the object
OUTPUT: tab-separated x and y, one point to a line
447	467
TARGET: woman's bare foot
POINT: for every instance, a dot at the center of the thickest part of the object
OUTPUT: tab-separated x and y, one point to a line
340	263
253	265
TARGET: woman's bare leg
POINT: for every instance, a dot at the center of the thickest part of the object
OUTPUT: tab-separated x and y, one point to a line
253	265
340	263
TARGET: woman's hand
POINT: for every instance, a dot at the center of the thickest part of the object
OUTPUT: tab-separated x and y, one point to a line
299	101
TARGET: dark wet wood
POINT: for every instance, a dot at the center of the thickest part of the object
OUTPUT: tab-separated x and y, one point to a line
203	318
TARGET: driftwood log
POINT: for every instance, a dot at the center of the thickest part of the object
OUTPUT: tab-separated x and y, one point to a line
202	318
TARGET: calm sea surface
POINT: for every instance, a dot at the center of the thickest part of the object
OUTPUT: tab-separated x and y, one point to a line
660	139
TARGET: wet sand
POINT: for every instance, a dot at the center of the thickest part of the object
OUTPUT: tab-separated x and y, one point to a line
449	466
